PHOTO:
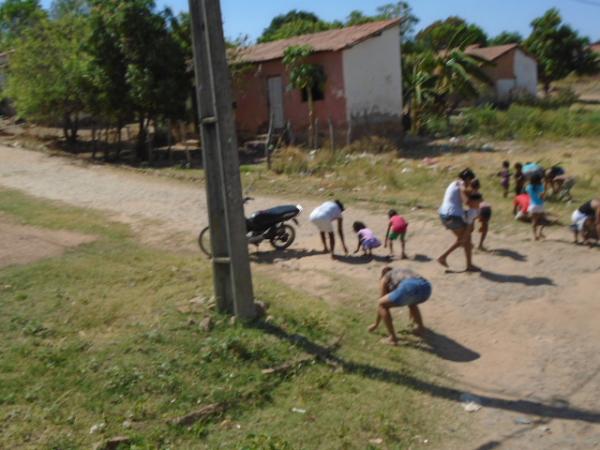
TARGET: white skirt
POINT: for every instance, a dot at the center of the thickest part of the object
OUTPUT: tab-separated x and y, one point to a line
578	219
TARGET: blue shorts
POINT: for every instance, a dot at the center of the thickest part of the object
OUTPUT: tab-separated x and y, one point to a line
452	222
411	291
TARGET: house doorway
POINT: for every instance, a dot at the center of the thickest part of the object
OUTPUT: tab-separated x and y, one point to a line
275	86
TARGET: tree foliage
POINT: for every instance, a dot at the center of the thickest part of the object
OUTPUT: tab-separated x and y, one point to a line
440	34
385	12
16	17
62	8
304	76
506	37
49	73
293	23
139	64
434	83
559	49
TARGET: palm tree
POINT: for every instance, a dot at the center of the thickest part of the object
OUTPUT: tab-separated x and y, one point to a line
418	87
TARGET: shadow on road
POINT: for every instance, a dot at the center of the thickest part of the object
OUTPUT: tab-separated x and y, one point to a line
506	253
361	259
422	258
327	356
269	257
447	348
517	279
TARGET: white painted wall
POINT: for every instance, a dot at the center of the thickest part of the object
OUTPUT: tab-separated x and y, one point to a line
505	88
373	77
526	73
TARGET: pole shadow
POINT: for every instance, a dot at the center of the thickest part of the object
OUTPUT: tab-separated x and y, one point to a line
270	257
516	279
327	356
357	260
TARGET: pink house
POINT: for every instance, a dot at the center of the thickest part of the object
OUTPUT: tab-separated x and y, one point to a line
363	85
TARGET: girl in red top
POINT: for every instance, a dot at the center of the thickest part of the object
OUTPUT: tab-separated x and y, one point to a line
397	227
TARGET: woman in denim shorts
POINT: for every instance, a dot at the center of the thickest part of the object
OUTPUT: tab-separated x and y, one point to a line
401	287
452	216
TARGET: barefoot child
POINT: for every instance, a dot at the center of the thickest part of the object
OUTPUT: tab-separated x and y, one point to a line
366	238
401	287
519	179
535	189
397	227
586	220
504	175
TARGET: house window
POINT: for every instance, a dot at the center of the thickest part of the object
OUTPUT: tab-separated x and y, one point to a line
318	93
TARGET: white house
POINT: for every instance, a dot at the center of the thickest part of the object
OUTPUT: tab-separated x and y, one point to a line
512	69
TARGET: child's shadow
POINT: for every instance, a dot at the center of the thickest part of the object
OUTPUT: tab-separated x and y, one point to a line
361	259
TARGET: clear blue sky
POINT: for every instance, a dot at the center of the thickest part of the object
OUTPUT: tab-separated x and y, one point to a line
251	17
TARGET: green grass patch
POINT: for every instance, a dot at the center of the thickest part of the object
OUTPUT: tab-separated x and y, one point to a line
527	123
106	335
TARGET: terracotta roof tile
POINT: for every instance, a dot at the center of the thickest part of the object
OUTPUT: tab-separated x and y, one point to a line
332	40
490	53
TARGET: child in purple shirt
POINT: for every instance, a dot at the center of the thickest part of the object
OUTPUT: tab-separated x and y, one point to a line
366	238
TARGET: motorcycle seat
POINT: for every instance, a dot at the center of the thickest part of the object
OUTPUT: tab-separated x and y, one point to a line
272	216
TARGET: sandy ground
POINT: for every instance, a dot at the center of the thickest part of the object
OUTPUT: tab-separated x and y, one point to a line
20	244
523	336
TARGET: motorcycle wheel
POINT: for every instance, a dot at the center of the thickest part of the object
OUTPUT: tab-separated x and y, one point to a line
204	242
284	238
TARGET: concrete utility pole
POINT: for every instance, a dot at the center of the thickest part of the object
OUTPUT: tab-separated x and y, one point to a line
231	264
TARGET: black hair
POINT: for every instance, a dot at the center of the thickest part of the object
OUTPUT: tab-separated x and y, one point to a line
340	204
385	270
357	226
536	179
506	164
476	184
518	166
475	196
392	213
466	175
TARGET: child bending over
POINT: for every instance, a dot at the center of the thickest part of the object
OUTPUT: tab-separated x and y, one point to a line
401	287
366	238
396	229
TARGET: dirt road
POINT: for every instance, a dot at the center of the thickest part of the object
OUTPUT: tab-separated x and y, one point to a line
523	336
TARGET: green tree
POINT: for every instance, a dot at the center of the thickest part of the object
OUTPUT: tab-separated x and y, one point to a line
48	73
16	17
453	30
418	87
304	76
61	8
506	37
385	12
559	49
293	23
140	66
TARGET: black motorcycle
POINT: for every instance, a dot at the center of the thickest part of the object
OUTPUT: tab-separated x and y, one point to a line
268	225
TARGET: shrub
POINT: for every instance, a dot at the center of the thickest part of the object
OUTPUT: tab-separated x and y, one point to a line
290	160
371	144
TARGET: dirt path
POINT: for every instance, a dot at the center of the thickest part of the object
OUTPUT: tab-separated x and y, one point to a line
523	336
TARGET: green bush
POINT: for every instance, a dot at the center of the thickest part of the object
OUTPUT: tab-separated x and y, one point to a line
525	122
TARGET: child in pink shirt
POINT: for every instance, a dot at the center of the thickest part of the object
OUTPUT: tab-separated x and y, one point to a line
397	227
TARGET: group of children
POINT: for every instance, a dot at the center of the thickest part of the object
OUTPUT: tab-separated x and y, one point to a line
462	208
